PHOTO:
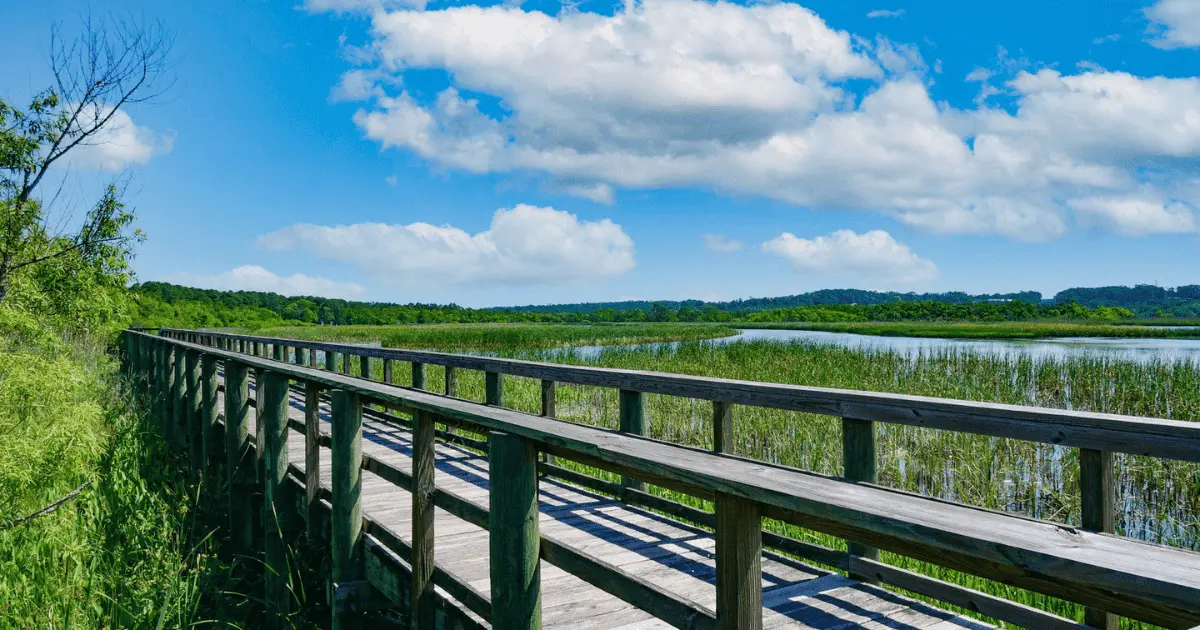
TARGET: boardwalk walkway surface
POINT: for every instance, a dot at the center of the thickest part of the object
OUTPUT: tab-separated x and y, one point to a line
672	555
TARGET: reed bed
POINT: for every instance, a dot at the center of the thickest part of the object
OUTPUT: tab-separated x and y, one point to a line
502	337
1148	329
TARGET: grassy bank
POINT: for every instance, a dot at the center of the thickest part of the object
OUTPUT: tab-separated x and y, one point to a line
999	330
119	553
502	337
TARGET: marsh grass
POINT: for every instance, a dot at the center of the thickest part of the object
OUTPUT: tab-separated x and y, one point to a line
1002	330
502	337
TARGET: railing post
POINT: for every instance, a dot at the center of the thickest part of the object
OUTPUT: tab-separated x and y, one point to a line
301	356
312	459
493	389
364	367
279	352
451	381
514	538
1096	501
209	439
166	413
549	399
387	371
423	466
722	426
178	404
195	450
239	463
632	420
739	563
346	524
859	464
418	375
273	415
346	362
330	361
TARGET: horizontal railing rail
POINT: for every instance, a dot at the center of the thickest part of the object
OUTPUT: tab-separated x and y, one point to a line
1157	437
1109	574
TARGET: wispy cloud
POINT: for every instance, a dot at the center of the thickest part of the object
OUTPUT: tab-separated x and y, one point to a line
718	243
885	13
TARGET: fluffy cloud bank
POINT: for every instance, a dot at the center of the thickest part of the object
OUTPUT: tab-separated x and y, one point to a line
754	100
872	256
255	278
1177	23
523	245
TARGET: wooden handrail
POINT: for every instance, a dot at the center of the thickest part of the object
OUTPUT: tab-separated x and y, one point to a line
1153	583
1157	437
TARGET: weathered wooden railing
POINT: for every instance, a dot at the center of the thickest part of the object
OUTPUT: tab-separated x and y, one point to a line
175	373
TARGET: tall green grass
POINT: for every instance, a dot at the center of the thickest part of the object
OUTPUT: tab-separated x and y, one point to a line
996	330
120	553
502	337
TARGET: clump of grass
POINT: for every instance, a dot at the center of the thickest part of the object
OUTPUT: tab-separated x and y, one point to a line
503	337
995	330
116	554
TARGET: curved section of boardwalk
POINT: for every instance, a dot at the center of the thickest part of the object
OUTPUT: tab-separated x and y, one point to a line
667	553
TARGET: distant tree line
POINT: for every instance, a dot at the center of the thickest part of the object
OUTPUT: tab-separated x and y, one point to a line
815	298
163	304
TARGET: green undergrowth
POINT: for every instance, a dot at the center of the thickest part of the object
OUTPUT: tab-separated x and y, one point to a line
140	545
502	337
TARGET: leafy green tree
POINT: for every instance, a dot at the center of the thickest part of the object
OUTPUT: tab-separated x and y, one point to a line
112	64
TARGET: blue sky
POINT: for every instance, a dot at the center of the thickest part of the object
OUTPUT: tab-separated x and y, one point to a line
528	153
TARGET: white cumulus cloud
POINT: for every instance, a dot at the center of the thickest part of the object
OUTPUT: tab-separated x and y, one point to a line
256	278
1136	217
754	100
119	144
1176	23
873	256
523	245
718	243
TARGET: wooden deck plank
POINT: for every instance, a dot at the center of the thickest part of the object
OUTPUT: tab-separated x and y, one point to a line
668	553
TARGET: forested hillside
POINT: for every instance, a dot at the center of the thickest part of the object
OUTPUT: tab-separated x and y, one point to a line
160	304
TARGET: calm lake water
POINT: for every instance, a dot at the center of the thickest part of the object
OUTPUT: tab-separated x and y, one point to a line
1113	348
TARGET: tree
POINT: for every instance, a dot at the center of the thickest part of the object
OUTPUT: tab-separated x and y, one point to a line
110	65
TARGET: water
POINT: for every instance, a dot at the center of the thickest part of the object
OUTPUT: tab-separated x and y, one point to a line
1140	350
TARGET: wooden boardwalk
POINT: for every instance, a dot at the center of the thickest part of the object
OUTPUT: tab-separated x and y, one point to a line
671	555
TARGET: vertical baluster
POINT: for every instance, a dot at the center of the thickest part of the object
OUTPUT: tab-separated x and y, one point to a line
209	438
239	463
364	367
330	360
493	389
722	426
451	381
859	464
514	539
632	420
739	563
301	356
549	400
418	375
1096	498
346	522
272	415
312	458
192	402
179	406
422	561
387	371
